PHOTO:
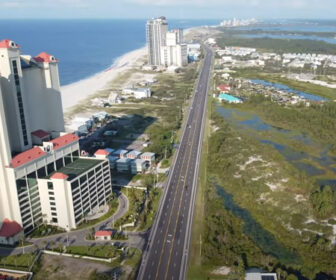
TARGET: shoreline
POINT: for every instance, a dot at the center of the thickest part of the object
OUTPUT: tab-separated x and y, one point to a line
72	94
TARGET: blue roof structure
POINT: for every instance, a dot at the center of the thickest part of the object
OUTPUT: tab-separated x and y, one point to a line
229	98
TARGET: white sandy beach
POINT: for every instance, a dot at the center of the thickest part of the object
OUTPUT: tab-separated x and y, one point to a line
73	93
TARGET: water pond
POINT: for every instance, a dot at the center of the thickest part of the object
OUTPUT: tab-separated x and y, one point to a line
288	89
312	165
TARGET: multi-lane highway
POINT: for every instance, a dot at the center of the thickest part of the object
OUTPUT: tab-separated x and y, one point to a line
166	254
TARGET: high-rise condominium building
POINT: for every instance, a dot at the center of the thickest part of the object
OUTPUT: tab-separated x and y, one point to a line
42	176
156	30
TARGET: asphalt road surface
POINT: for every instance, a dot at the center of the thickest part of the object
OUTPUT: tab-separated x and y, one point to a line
166	254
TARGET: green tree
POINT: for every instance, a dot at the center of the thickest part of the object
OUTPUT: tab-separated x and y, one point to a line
324	201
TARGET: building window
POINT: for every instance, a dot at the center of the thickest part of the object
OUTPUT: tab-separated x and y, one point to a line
54	220
50	168
53	208
67	159
59	163
31	178
50	186
51	198
41	173
51	193
20	103
75	155
82	179
21	185
74	185
52	203
54	214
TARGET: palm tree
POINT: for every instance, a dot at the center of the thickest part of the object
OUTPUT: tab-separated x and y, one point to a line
23	239
44	244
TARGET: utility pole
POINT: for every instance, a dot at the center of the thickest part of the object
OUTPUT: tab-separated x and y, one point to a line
200	245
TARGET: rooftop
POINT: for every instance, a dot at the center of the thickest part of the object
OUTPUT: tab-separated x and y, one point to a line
40	133
10	228
228	97
7	44
45	57
74	169
103	233
64	140
27	156
102	152
120	151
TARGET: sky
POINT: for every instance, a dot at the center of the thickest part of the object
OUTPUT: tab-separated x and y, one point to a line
177	9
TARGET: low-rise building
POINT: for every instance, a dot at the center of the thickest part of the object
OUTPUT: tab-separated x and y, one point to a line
102	235
113	161
228	98
150	157
10	232
120	153
40	136
255	274
138	166
138	93
123	165
133	154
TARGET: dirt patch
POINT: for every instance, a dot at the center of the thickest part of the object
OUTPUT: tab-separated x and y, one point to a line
64	268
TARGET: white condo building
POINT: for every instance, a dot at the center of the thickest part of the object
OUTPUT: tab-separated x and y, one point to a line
42	176
175	53
156	30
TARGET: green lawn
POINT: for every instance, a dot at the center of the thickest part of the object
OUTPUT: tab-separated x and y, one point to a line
98	251
20	262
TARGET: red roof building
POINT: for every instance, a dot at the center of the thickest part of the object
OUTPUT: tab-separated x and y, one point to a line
224	87
103	233
10	228
40	134
102	152
27	156
60	176
45	57
64	140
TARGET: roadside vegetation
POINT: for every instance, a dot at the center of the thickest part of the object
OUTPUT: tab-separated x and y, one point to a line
113	204
18	262
259	210
142	208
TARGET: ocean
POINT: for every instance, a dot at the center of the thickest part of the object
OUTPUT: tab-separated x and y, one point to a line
83	47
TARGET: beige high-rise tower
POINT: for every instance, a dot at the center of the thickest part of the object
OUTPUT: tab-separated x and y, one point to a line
156	33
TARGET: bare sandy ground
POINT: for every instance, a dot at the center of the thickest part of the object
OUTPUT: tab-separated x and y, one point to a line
74	93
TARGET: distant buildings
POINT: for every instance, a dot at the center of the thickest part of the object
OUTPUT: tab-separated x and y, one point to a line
165	48
238	22
43	179
138	93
